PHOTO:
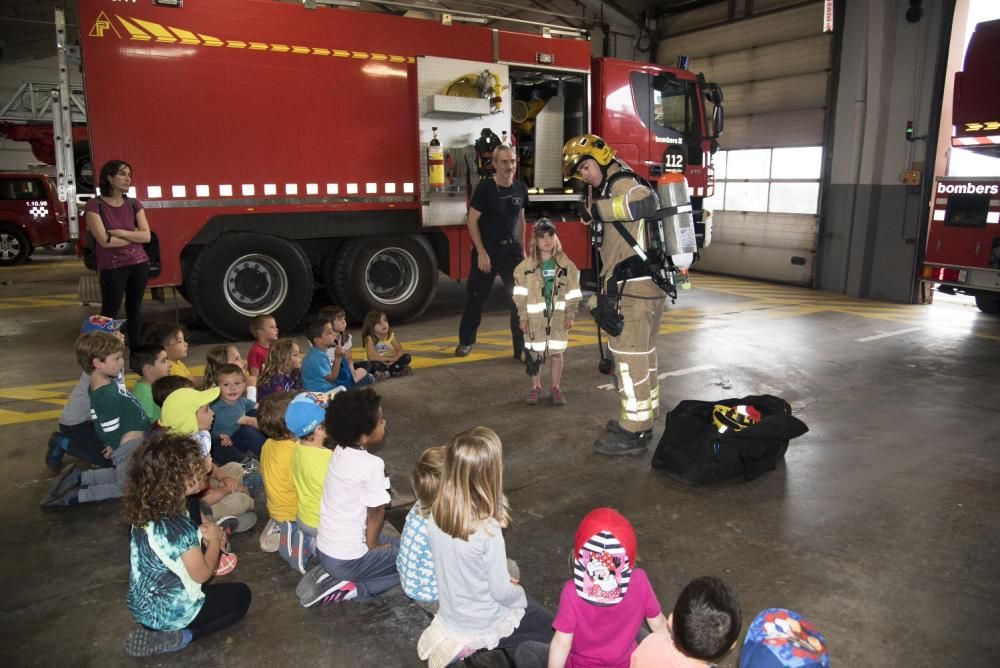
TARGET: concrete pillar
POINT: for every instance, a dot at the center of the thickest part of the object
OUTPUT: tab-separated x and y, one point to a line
889	71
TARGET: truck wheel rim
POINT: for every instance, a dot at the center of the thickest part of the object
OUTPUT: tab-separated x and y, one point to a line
392	276
10	246
255	284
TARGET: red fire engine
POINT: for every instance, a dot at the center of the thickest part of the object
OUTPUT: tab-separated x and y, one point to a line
280	149
963	241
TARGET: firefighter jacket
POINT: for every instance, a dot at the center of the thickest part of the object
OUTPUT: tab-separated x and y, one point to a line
626	200
529	297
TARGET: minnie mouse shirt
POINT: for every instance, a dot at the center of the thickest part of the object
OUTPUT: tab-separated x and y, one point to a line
604	635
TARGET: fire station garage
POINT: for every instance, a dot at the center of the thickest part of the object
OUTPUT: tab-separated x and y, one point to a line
800	452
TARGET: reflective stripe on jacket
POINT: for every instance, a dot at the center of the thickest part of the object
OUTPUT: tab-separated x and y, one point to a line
529	297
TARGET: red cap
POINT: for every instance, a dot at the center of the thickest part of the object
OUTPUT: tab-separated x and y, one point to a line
606	519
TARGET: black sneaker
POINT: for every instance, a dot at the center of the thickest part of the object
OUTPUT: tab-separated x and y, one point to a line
146	642
55	452
624	444
319	587
462	350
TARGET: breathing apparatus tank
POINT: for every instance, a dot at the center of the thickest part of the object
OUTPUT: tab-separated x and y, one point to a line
677	221
435	163
485	145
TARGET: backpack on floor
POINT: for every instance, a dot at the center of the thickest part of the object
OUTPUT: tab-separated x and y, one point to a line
704	444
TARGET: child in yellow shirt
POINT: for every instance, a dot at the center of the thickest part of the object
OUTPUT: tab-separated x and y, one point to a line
173	338
276	469
304	419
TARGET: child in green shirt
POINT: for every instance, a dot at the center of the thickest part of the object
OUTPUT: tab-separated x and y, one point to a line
150	362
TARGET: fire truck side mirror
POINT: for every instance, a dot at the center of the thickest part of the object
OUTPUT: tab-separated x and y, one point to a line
718	122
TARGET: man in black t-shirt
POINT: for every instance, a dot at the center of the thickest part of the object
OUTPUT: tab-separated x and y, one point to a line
496	226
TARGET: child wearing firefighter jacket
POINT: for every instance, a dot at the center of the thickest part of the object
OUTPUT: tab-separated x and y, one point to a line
546	294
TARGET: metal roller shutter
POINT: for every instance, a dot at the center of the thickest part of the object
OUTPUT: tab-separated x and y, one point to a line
775	71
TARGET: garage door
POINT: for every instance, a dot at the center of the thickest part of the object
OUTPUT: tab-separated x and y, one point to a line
774	70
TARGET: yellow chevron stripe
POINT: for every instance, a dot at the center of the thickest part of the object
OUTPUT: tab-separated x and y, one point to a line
156	30
185	36
145	31
134	31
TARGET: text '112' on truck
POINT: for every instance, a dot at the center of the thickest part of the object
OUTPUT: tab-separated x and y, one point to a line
282	149
963	238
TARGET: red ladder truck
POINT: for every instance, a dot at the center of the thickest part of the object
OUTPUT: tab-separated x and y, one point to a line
281	149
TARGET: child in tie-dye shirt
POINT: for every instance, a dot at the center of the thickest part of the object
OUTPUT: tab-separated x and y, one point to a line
170	557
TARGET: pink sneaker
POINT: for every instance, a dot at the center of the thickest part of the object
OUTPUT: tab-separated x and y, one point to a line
558	398
227	564
533	396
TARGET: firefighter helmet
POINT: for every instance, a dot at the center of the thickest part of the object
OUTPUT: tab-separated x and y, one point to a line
579	148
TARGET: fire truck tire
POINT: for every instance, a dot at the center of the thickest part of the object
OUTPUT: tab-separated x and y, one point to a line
243	275
83	166
15	247
397	275
988	304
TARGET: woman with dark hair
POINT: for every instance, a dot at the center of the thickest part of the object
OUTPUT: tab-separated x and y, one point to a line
118	225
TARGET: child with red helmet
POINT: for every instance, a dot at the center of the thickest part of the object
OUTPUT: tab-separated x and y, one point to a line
601	609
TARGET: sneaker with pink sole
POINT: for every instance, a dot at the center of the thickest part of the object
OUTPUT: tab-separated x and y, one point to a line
533	396
558	398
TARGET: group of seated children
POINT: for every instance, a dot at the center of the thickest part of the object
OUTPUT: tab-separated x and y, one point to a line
326	500
275	365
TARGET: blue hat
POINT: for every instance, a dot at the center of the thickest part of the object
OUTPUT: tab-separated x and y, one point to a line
101	323
305	412
780	638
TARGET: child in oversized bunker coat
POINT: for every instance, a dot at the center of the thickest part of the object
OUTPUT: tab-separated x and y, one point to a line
546	293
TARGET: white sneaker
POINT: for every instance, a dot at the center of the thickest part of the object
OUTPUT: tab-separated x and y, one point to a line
270	537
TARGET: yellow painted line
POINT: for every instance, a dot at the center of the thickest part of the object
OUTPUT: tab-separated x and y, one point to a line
211	41
301	49
235	44
134	31
12	417
280	48
258	46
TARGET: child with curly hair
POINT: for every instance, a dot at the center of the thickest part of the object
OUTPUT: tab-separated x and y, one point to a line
171	558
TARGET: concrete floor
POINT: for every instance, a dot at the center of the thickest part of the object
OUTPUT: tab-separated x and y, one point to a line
881	526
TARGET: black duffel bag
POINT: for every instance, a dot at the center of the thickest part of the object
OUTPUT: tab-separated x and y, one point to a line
694	451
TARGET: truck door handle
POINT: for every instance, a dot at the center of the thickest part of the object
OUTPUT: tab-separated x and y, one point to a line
978	245
655	170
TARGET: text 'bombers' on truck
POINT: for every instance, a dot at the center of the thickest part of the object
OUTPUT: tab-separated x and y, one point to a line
281	150
963	239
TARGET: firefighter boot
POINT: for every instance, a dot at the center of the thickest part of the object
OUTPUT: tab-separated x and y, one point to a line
623	443
615	428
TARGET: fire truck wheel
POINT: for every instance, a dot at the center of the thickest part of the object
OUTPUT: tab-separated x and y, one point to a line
988	304
397	275
243	275
83	166
15	247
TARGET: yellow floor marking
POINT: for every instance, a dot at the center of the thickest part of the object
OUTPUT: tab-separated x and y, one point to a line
765	302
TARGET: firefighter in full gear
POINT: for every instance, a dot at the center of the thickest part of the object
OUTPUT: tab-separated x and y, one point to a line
627	292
